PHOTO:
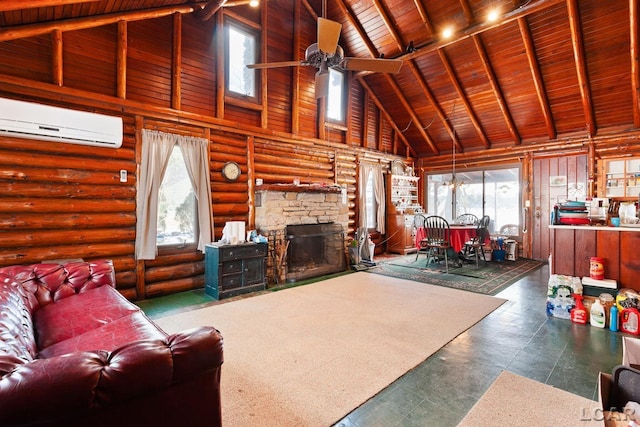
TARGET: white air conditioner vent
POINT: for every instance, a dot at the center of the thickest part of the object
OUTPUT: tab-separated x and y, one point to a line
37	121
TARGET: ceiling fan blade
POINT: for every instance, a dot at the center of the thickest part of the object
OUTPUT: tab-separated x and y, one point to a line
322	84
328	35
372	64
277	64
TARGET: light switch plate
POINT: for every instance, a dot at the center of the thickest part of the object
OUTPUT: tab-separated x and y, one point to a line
123	175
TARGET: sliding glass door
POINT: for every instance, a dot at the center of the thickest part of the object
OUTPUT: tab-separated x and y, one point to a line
493	192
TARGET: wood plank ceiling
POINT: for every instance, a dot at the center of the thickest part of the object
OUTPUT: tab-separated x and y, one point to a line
543	70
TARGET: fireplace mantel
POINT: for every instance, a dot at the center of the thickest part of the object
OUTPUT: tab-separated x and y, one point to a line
302	188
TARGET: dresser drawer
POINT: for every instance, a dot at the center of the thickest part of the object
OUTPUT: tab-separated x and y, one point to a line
234	266
242	251
231	281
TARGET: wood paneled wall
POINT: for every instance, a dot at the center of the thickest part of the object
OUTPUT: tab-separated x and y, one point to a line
65	201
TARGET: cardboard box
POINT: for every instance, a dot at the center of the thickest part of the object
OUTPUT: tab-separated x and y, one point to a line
630	357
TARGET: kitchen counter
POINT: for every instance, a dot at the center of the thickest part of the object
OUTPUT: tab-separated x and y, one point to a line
628	227
572	247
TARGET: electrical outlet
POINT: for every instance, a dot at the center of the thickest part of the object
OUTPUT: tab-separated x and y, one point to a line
123	175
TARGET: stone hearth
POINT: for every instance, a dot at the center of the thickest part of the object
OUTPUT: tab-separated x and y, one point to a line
279	206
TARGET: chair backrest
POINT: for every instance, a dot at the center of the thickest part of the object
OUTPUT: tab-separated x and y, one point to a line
437	230
467	218
482	231
418	221
508	230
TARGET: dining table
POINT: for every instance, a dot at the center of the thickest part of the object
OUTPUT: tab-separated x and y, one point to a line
459	235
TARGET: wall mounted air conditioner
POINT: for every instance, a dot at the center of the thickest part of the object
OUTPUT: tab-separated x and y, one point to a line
36	121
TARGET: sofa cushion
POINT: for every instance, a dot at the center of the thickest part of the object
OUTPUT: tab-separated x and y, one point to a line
70	317
109	337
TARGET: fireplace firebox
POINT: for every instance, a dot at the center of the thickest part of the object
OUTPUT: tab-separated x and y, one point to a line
314	250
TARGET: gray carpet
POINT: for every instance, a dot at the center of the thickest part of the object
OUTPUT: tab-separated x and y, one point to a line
309	355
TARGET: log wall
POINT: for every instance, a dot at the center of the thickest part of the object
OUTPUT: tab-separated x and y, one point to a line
65	201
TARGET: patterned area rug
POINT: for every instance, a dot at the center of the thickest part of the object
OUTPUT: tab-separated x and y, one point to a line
488	280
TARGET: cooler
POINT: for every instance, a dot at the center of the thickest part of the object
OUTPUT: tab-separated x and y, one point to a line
595	287
511	248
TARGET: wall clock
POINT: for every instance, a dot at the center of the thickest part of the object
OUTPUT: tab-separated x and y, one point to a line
231	171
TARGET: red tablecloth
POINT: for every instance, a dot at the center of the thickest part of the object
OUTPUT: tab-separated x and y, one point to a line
459	235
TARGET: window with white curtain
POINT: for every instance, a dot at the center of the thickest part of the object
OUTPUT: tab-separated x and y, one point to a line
493	192
372	204
177	219
159	160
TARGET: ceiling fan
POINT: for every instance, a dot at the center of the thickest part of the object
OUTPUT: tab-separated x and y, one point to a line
326	53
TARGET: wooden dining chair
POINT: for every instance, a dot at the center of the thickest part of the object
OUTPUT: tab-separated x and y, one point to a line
476	244
467	218
420	233
437	242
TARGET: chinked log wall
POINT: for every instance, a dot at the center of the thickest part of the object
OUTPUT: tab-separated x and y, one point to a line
65	201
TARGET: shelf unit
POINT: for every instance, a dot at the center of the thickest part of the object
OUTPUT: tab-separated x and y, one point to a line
621	178
402	203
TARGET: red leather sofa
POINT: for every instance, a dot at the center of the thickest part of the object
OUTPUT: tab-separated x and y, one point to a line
75	352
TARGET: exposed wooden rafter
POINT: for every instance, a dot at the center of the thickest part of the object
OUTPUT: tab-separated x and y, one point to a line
497	92
465	101
578	54
635	60
537	77
32	30
387	116
31	4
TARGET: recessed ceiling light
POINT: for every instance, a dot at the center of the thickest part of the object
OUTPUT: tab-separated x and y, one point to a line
493	15
447	33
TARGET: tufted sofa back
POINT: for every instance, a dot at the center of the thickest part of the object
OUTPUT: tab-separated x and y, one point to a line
25	288
47	283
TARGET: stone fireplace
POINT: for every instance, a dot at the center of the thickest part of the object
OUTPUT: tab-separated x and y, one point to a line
306	230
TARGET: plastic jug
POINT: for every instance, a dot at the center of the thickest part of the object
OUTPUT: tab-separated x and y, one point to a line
629	321
598	318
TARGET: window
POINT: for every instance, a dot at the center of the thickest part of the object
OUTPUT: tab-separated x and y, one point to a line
371	204
241	46
177	219
335	98
494	192
172	167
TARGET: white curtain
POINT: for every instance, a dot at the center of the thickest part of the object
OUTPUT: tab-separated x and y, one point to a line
374	170
156	151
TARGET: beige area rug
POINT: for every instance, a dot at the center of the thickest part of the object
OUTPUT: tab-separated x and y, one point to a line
309	355
513	400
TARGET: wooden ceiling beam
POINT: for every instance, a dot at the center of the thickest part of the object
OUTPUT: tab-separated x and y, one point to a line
412	114
32	30
358	27
463	97
635	65
31	4
426	21
434	102
480	28
581	69
387	22
537	77
387	116
497	91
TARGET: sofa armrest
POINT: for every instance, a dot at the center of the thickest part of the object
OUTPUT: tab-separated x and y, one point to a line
48	389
